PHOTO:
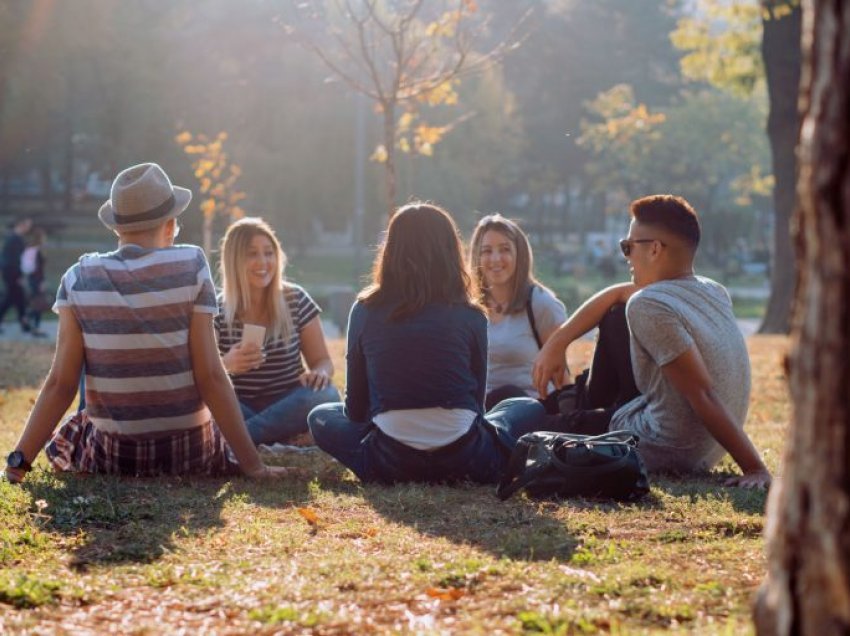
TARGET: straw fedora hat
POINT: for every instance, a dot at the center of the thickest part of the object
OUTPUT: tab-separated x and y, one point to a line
142	198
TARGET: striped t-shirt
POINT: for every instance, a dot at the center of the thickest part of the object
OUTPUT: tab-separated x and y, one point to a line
134	307
279	373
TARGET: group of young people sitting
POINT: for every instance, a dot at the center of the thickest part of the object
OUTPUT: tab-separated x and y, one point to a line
449	362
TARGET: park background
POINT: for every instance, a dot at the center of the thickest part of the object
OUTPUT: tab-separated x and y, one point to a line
564	112
576	108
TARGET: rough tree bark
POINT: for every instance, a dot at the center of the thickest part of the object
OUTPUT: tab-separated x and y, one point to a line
781	53
807	588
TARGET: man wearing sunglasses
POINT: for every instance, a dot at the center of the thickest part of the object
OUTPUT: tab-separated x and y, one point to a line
670	364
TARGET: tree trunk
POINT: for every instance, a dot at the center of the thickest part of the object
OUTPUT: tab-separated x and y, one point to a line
207	233
389	164
807	588
781	54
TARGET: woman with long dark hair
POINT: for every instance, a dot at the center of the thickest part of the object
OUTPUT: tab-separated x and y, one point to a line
417	367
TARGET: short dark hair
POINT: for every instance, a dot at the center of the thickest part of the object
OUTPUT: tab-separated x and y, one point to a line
420	262
670	212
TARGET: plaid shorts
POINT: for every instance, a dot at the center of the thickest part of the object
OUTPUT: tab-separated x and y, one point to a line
78	446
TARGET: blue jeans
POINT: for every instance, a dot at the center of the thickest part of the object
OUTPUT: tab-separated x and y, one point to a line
286	417
480	455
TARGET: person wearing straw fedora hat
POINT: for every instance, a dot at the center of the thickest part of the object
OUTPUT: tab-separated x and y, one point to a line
139	320
142	197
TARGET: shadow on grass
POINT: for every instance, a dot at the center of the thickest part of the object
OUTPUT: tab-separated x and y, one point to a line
518	529
709	487
120	519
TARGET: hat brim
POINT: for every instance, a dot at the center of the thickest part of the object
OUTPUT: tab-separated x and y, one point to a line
182	198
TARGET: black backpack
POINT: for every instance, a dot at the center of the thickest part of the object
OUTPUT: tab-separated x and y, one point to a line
571	465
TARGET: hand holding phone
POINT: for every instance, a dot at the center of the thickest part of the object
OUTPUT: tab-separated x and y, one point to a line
253	334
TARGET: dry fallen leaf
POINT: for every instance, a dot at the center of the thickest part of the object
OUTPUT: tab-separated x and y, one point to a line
309	515
449	594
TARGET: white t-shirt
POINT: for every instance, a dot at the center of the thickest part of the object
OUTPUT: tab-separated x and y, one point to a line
425	429
512	347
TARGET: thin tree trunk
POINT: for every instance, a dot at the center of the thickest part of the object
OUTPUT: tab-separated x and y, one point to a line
389	164
781	54
807	588
207	233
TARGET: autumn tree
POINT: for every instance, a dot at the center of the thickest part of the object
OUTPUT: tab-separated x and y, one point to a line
573	51
706	146
757	45
405	57
216	175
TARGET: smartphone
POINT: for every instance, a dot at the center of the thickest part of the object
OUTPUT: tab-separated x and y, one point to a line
253	334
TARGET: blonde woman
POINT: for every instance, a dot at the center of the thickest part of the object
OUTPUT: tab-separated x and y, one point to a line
522	313
280	381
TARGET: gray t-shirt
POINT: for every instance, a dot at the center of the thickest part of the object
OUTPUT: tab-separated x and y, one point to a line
665	320
512	347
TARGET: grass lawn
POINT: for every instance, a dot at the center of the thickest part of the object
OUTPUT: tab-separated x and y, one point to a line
330	556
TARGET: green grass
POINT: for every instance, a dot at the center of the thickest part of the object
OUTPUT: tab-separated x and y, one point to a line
93	554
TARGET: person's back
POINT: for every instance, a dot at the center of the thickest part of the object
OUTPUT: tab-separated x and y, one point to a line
434	358
134	307
139	320
417	368
665	319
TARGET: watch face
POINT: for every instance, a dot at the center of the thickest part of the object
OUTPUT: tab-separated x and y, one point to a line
15	459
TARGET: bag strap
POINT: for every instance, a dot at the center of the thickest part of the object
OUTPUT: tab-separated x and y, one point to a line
530	313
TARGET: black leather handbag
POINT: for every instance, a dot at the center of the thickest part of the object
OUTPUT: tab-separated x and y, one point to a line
567	465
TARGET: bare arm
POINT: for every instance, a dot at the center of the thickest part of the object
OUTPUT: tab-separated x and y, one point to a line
56	394
320	368
219	396
550	364
689	376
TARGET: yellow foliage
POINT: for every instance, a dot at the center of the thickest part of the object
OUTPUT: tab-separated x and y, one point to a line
445	27
404	145
208	207
202	167
426	149
404	121
443	93
380	155
430	134
215	174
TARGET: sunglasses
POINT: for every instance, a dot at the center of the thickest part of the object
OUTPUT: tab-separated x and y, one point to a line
626	244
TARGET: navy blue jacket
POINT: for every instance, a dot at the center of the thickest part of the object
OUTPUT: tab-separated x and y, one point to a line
435	358
10	259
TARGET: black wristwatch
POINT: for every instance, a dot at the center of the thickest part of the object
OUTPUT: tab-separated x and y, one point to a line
16	459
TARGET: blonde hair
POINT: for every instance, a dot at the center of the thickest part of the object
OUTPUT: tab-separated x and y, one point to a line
236	297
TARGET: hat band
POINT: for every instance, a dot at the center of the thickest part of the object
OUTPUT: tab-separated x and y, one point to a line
150	215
